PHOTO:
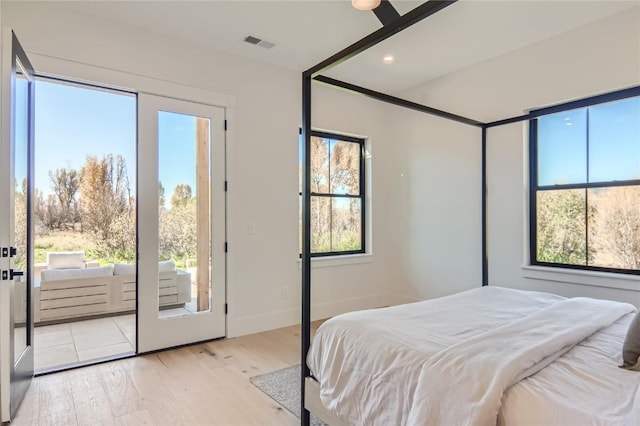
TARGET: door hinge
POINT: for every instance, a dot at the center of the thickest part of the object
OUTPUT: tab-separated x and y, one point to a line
225	125
226	186
226	247
9	252
226	308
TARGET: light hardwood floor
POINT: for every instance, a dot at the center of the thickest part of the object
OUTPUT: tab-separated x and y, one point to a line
206	384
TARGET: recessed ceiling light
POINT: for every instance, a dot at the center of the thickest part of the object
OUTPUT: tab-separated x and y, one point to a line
387	59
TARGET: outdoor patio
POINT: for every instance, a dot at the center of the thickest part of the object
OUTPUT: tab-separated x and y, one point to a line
73	342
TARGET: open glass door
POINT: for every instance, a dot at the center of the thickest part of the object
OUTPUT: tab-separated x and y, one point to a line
16	236
181	226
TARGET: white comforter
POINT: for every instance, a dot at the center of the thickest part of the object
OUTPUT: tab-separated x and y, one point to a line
376	367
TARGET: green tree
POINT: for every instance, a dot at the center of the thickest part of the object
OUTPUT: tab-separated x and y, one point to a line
20	224
178	231
161	196
562	227
181	195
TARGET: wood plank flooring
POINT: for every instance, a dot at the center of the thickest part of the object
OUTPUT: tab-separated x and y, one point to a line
206	384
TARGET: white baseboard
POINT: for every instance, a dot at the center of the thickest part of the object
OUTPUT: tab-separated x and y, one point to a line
258	323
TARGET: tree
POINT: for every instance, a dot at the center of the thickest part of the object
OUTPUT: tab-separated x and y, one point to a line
21	223
47	212
345	177
161	197
319	164
181	195
615	227
345	167
562	227
65	185
104	195
178	231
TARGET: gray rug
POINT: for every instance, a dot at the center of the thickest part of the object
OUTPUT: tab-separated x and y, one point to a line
284	387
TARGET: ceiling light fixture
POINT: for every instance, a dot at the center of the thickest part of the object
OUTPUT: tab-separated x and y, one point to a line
365	4
387	59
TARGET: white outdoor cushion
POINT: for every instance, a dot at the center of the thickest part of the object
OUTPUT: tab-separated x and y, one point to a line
124	269
166	266
65	260
49	275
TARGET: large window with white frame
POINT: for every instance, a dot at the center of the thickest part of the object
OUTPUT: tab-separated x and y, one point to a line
585	187
337	194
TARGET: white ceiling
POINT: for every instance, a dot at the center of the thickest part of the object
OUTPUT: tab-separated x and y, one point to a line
307	31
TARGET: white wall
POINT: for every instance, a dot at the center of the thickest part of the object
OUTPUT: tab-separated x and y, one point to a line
436	200
262	159
593	59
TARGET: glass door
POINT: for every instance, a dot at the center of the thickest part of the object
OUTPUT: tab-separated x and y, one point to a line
16	236
181	226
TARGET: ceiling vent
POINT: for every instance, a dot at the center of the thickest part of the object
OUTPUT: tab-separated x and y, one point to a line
258	42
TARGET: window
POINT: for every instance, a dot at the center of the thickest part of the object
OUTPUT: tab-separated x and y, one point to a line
337	194
585	187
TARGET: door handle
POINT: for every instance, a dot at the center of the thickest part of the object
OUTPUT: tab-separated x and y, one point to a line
15	273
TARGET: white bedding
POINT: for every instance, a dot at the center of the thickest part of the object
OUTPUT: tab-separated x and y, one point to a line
369	363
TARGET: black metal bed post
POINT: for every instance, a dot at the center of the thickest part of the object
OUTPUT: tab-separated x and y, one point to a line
306	242
485	258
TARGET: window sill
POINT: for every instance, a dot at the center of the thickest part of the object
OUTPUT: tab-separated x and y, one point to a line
347	259
574	276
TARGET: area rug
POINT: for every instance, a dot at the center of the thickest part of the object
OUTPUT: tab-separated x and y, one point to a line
283	386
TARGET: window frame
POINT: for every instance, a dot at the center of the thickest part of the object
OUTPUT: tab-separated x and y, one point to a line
534	186
361	196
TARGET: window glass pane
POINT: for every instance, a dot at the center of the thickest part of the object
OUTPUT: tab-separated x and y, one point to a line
561	226
184	234
345	168
319	165
562	148
346	226
614	227
614	141
21	127
320	224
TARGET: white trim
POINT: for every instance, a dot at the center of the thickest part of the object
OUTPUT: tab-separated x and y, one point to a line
338	260
154	332
578	276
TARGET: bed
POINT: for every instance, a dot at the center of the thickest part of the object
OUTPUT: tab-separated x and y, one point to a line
485	356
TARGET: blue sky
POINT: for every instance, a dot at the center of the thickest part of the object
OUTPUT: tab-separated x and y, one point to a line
614	144
73	122
21	131
177	151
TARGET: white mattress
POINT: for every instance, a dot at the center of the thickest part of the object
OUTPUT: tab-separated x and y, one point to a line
368	362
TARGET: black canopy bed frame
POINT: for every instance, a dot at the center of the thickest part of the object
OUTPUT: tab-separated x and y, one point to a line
393	23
